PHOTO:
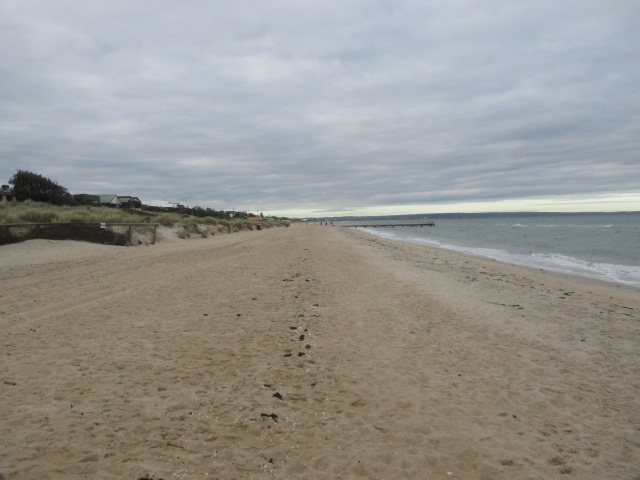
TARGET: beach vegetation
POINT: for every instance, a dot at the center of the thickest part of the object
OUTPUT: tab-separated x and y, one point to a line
30	211
33	186
167	220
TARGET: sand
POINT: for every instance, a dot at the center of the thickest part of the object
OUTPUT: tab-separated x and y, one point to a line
310	352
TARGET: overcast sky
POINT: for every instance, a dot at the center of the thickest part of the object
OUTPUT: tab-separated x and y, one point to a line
327	106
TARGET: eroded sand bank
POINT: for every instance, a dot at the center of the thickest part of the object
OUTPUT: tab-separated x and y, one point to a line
310	352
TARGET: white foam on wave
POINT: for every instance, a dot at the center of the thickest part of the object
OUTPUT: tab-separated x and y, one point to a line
520	225
626	274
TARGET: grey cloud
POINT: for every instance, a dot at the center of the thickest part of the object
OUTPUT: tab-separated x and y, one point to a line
325	104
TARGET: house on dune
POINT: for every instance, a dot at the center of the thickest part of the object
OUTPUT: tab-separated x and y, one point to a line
110	200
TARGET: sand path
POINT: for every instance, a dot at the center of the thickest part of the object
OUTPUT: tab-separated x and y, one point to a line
310	352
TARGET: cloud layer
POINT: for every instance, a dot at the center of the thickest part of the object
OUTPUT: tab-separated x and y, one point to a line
327	105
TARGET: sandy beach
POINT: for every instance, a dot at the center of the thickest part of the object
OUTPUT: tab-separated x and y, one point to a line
310	352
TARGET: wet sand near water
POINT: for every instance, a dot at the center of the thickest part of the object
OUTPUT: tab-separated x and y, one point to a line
310	352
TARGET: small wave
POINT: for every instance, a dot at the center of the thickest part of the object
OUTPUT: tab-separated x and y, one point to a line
626	274
520	225
589	226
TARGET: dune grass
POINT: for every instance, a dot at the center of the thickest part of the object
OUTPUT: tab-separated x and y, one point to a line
35	212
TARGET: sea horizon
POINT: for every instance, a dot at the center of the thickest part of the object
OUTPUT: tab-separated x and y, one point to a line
505	214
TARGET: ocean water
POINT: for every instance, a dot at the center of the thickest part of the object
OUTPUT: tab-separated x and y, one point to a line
603	246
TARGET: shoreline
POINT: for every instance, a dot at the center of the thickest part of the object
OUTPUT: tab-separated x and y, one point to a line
523	264
311	352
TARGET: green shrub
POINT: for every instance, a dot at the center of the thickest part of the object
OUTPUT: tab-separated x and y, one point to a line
166	220
183	233
209	221
190	228
33	186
